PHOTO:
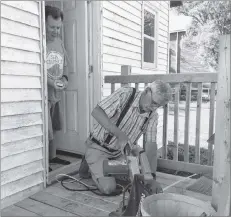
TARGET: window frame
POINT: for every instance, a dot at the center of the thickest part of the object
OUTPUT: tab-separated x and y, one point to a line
146	65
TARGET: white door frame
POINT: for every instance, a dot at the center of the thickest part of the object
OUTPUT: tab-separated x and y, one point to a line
44	93
95	76
95	55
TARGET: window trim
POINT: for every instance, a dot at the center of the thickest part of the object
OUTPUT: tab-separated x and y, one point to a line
146	65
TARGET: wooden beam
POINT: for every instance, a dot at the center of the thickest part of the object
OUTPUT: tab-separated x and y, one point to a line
43	209
178	54
137	86
187	121
184	166
211	122
176	122
170	78
221	168
177	59
126	70
20	196
112	88
67	169
198	124
165	132
15	210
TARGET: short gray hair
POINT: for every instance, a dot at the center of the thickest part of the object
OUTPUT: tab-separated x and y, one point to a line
162	90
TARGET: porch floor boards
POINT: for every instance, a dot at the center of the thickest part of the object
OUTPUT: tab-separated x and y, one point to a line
57	201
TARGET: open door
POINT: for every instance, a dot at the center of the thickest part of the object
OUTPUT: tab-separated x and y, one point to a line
74	103
75	99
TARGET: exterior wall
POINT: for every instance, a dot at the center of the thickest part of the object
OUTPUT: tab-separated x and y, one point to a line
22	140
122	37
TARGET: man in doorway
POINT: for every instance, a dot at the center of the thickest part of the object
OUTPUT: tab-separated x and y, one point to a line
57	77
142	117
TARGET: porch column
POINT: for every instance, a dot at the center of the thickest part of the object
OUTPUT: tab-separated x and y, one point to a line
126	70
221	168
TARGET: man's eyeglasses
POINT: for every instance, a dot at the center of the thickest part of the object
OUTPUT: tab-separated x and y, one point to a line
154	103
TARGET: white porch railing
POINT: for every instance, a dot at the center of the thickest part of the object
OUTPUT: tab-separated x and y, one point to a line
221	166
176	81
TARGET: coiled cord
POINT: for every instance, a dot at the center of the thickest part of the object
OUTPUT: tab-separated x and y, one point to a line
93	189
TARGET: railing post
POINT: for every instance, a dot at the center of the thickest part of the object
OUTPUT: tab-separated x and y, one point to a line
112	88
211	122
198	123
165	132
221	168
187	122
126	70
176	122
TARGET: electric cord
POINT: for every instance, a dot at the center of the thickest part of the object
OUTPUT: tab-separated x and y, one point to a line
73	180
93	189
124	192
184	179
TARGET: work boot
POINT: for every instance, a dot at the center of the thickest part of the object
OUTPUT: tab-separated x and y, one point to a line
84	169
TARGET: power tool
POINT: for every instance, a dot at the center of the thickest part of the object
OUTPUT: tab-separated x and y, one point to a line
133	163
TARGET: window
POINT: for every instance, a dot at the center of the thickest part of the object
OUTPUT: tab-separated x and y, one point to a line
176	60
149	38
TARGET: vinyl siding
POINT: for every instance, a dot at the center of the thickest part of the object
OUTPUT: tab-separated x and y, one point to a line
122	37
22	169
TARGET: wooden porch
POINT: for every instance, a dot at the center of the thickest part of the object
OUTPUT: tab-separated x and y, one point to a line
57	201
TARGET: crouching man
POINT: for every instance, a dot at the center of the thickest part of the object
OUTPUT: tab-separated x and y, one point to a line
140	118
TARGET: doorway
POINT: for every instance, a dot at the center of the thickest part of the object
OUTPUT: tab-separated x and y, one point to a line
74	105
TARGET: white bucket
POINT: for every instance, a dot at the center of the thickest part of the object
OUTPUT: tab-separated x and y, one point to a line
168	204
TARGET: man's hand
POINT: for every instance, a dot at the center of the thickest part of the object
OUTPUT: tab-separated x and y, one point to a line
156	187
65	82
122	141
59	85
136	149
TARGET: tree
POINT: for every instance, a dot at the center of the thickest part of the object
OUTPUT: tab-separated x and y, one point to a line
210	19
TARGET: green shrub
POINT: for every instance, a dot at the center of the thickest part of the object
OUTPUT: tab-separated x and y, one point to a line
203	159
203	153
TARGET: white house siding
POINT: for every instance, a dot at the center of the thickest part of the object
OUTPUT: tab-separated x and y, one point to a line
122	37
22	169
